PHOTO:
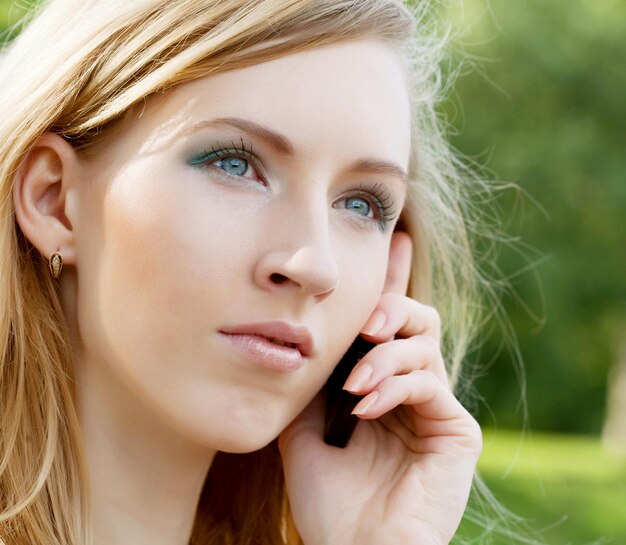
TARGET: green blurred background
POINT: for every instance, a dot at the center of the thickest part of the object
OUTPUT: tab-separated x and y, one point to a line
540	101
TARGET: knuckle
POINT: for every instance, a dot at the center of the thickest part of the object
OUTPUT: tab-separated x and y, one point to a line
431	345
473	435
429	353
428	378
433	317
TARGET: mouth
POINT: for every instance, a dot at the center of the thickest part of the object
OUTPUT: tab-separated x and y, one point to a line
277	333
282	343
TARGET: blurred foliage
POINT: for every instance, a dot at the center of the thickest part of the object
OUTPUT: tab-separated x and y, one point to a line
11	11
540	101
567	488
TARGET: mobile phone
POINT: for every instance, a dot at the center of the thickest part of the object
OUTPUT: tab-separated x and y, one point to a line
339	422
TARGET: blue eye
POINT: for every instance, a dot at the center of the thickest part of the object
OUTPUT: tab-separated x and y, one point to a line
372	203
236	162
358	205
233	165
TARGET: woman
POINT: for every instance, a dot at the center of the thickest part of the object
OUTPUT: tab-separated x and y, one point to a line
204	204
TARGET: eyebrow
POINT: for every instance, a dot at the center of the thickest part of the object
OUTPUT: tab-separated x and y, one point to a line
281	144
277	141
380	166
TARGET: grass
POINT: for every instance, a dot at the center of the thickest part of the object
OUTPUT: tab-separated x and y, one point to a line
569	490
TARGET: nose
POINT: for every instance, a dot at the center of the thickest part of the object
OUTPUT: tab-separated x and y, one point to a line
299	257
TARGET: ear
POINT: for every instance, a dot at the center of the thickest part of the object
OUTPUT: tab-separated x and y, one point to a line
43	183
399	263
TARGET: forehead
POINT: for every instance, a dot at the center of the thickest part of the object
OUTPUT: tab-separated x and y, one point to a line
350	94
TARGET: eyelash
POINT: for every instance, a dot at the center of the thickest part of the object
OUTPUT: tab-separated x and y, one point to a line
376	194
381	200
219	151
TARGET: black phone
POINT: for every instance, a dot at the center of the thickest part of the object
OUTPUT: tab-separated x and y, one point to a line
339	422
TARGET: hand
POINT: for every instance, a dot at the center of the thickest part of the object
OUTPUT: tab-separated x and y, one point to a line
406	474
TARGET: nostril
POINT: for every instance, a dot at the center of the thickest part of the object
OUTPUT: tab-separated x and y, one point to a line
277	278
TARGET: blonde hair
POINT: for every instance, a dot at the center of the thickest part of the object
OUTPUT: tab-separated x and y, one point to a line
92	62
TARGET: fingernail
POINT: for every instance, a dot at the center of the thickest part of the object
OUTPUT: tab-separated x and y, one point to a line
363	406
358	378
375	323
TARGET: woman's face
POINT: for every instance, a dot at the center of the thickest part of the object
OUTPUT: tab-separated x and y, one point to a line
256	203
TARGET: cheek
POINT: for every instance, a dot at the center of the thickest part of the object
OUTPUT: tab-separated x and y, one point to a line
159	267
154	275
363	263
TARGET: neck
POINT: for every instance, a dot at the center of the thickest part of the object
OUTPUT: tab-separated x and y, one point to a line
145	479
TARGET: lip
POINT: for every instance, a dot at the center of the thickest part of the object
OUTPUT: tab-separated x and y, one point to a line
254	340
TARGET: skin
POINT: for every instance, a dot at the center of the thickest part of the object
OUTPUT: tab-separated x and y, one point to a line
161	254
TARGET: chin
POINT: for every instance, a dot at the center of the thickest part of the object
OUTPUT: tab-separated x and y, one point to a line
242	433
241	443
242	447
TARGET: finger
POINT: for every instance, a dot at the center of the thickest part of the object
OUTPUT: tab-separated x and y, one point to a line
427	396
399	264
396	358
429	402
403	317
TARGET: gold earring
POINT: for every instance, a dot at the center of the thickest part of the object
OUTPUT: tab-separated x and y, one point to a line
55	262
